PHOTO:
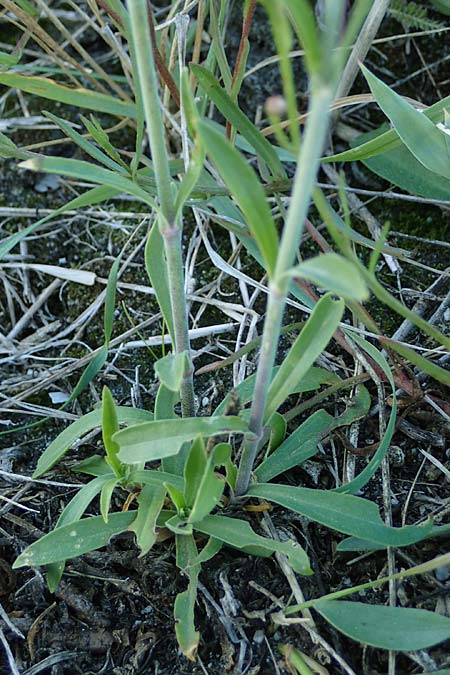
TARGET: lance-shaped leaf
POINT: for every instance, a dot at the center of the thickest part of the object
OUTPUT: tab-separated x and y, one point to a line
87	171
239	534
344	513
311	342
211	485
72	513
170	370
388	140
334	273
106	495
245	187
110	424
395	628
426	142
75	431
162	438
151	500
156	268
74	539
238	119
78	97
188	638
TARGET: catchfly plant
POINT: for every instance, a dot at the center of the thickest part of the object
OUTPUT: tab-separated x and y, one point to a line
189	479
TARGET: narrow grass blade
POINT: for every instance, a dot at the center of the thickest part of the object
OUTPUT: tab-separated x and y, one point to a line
394	628
75	431
238	119
78	97
74	539
437	373
84	144
86	171
247	190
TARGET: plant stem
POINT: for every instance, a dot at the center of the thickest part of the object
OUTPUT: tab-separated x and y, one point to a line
148	84
170	229
172	247
308	162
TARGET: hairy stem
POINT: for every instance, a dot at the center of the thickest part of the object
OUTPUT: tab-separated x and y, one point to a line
170	230
308	163
172	247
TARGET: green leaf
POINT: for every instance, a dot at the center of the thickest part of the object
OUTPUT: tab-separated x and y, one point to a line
156	478
101	137
278	426
156	267
105	496
389	140
303	442
444	7
193	470
341	512
400	167
305	26
150	500
437	373
74	539
376	460
394	628
334	273
247	191
78	97
95	465
238	119
170	370
298	447
75	431
188	638
87	171
70	514
314	337
84	144
426	142
110	424
355	544
211	484
163	438
239	534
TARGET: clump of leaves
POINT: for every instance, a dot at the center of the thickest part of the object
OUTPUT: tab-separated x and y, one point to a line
413	15
190	475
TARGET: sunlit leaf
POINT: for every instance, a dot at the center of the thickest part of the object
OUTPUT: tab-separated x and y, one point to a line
74	539
78	97
170	370
75	431
239	534
394	628
313	338
163	438
150	500
188	638
334	273
344	513
247	191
